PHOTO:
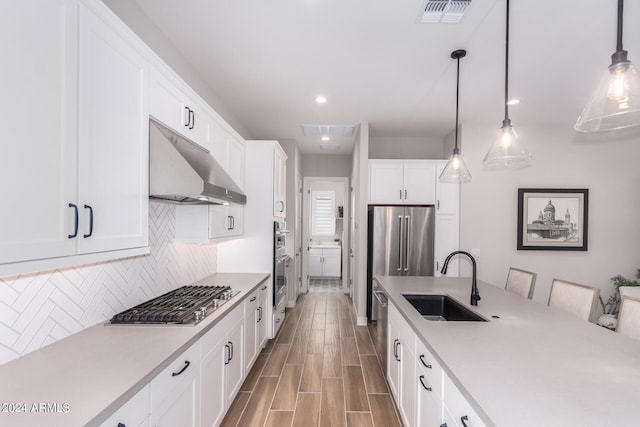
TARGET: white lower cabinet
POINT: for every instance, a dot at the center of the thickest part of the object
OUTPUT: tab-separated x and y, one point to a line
264	302
175	392
222	366
325	262
134	413
402	365
423	393
251	325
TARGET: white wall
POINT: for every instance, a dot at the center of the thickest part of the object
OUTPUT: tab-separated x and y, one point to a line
40	308
606	164
329	165
130	13
383	147
360	185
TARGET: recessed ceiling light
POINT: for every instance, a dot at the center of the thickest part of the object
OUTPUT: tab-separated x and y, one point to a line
513	101
325	138
321	99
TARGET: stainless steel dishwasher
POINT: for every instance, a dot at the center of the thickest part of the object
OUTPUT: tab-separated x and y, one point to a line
380	334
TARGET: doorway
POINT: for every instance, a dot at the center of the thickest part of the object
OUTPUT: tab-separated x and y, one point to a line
325	235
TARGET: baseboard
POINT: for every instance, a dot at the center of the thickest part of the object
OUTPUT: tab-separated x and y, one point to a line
361	321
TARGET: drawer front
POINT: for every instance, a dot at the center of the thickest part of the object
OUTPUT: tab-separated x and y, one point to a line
458	405
134	412
220	330
165	382
429	366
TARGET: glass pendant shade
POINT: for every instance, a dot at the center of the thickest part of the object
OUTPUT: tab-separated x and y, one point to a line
616	102
507	152
455	171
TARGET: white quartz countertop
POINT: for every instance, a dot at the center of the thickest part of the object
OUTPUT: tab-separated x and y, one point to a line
93	372
325	246
534	366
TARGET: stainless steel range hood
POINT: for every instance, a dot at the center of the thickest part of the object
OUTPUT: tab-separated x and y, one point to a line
180	171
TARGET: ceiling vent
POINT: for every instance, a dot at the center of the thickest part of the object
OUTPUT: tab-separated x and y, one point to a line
328	130
329	147
444	10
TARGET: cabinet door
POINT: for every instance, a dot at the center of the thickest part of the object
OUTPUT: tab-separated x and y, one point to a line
39	113
234	370
113	122
213	396
175	392
428	401
264	298
235	161
280	177
166	103
385	182
235	220
447	195
250	330
332	260
394	352
419	180
407	382
458	406
315	263
446	241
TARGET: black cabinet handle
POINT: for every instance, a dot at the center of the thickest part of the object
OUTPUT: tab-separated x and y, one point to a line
263	288
90	221
396	343
184	368
121	425
75	227
405	194
231	353
426	365
421	378
259	314
192	119
252	299
443	425
463	419
227	351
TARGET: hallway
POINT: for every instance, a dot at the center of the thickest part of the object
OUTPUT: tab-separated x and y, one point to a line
321	370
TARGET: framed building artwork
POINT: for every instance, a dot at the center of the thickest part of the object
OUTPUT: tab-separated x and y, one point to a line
552	219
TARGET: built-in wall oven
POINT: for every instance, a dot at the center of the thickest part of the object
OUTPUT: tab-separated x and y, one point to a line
280	266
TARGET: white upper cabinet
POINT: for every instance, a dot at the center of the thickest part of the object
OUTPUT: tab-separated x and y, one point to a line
171	104
76	94
280	183
113	186
227	147
447	237
402	182
39	146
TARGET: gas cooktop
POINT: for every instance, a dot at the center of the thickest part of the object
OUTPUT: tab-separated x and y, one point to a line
187	305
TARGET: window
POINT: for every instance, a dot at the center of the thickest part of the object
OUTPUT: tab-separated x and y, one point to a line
323	217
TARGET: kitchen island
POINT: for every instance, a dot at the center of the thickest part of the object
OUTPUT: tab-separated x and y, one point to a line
528	364
82	379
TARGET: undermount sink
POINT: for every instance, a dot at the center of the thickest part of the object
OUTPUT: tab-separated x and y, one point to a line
442	308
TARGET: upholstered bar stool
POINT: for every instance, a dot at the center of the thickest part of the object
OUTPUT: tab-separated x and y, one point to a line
629	317
575	299
521	282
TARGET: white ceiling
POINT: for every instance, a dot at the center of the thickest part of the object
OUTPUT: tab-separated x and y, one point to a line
267	60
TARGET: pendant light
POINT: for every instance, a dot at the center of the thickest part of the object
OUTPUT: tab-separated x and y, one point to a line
507	152
616	102
456	171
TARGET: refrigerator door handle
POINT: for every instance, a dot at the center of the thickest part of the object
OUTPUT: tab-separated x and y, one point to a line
400	242
407	218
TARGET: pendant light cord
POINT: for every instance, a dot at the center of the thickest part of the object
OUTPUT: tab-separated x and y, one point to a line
506	70
619	39
455	150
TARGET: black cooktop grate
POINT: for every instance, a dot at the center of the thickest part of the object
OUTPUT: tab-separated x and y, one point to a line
177	306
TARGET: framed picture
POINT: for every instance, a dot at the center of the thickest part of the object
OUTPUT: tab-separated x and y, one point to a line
552	219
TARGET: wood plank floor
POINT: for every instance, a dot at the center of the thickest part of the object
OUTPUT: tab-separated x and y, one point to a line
321	370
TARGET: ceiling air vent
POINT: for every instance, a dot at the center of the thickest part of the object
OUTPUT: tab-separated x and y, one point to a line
328	130
444	10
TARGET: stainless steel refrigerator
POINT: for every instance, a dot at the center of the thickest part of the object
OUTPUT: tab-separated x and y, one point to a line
400	243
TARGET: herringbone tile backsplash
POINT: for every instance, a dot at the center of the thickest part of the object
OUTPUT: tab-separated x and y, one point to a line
40	308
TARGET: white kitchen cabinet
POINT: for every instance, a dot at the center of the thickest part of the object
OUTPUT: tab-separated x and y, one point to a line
251	326
447	223
457	407
203	224
80	176
176	106
222	366
325	262
175	392
402	182
401	365
227	147
113	122
264	301
134	413
279	183
428	388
